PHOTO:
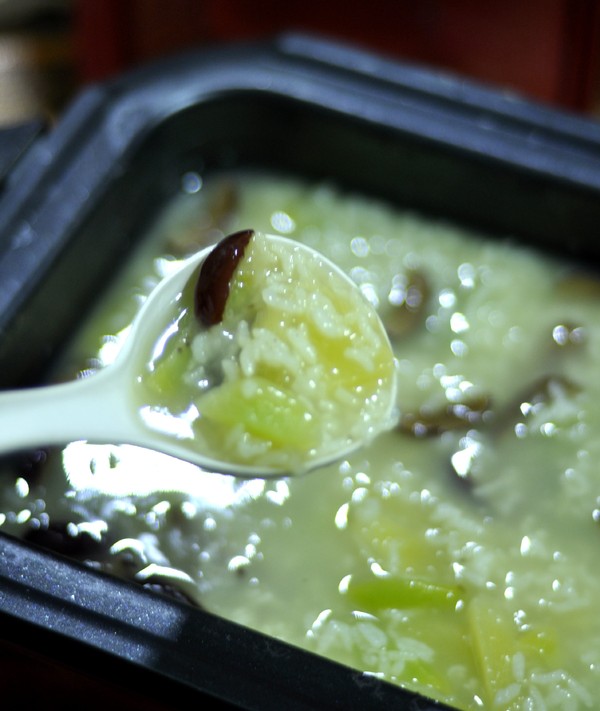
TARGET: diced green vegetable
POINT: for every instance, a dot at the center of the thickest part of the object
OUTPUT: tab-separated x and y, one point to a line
497	640
395	592
265	411
165	377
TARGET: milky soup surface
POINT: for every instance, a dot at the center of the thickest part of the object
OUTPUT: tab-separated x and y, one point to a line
458	554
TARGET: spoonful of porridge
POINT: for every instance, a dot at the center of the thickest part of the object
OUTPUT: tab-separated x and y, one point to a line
255	357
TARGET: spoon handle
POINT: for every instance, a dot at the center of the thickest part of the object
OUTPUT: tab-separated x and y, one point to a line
58	414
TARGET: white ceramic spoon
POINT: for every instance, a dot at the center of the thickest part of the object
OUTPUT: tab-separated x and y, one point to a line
98	408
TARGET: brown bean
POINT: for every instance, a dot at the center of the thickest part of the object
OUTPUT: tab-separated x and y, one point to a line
403	317
582	286
212	288
539	391
455	416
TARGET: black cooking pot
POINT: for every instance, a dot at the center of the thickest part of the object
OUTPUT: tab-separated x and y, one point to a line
72	204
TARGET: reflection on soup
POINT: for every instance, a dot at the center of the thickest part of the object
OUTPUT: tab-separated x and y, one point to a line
457	554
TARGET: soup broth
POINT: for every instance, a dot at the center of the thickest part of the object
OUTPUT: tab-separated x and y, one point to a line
457	554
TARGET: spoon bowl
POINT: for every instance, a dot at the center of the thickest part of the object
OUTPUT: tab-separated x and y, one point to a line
101	408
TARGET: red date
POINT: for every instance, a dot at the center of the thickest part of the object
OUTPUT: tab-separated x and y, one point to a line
212	288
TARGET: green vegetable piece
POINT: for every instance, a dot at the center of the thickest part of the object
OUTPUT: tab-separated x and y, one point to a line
165	378
395	592
267	412
497	639
428	679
